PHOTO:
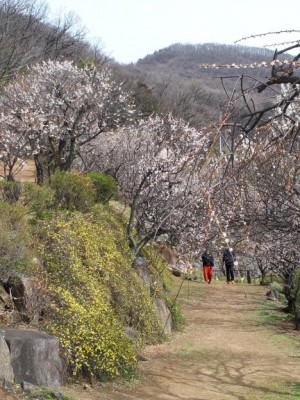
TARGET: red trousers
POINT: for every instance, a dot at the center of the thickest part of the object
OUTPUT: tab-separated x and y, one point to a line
207	273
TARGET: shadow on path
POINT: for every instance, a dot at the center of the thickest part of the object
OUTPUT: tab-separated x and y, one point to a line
223	354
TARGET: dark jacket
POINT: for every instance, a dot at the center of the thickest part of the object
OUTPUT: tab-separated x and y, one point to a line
228	257
207	259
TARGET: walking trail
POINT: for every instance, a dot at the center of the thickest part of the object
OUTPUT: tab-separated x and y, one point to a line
225	352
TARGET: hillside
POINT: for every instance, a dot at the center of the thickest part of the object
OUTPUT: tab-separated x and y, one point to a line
191	92
28	35
184	59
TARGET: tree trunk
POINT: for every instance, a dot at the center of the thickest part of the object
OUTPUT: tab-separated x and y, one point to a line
66	166
248	277
39	170
291	299
263	278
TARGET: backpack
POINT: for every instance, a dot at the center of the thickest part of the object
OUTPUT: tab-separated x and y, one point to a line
208	259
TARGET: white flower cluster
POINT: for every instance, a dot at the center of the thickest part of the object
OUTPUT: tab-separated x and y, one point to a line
292	64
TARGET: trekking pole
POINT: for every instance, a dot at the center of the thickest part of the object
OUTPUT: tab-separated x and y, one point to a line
177	294
245	292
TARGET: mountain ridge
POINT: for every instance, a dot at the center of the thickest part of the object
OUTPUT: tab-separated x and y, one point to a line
188	91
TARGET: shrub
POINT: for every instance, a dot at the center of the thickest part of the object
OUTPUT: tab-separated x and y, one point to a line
72	191
105	186
277	286
297	288
10	191
38	199
129	296
178	321
95	293
15	241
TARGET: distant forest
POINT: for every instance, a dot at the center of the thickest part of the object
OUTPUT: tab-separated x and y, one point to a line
173	77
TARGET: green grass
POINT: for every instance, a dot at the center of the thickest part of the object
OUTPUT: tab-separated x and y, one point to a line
270	317
294	389
270	313
286	392
267	319
44	394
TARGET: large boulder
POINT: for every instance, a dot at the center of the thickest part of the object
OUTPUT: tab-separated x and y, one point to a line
141	267
6	370
163	314
35	358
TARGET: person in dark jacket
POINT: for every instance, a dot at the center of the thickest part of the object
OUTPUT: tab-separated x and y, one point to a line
228	260
208	263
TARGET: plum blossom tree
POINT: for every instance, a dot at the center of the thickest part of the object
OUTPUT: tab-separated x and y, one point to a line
55	109
163	174
262	163
263	205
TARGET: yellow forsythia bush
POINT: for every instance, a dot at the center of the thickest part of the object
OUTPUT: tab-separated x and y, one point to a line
129	296
95	293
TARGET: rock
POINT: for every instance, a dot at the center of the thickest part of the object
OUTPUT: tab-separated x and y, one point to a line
141	267
35	358
4	298
141	358
7	386
272	295
6	370
130	333
176	272
18	287
27	387
163	314
29	302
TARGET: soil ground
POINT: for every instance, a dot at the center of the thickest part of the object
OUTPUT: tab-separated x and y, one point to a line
224	353
26	173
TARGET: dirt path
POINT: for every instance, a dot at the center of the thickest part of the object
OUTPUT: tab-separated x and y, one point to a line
223	354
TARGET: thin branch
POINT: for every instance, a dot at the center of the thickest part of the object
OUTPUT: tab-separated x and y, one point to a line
267	33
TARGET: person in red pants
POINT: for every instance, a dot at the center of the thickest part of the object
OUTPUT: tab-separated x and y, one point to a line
208	263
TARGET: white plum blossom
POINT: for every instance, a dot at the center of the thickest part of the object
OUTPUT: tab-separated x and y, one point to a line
57	107
163	175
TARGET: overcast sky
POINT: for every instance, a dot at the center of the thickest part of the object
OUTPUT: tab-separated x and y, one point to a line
131	29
